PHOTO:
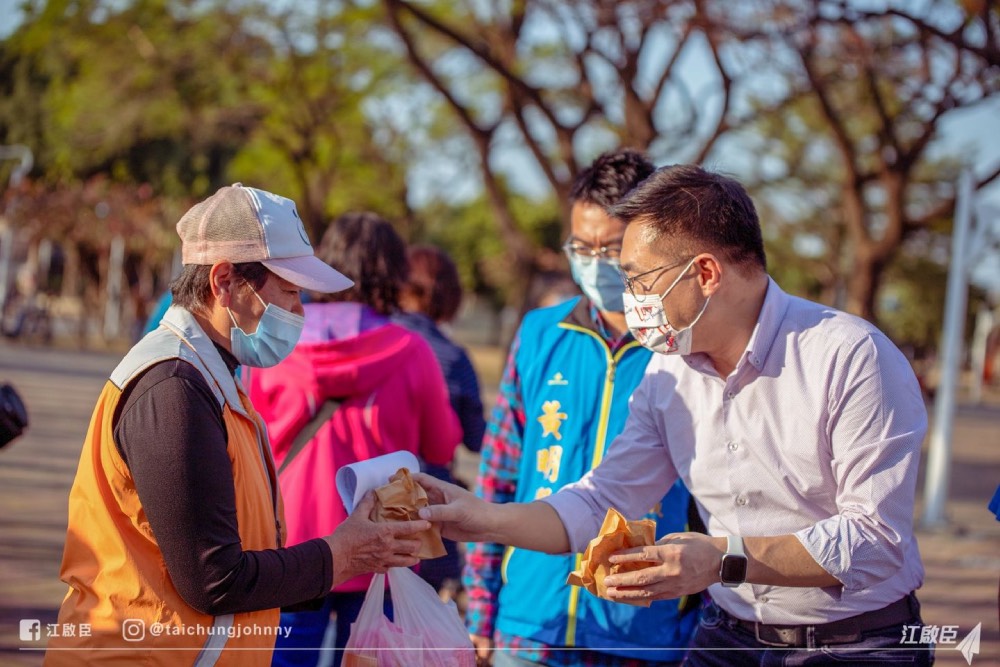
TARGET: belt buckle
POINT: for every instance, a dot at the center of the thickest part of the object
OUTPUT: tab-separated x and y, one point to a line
787	637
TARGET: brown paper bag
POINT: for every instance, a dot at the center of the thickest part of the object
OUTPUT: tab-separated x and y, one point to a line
616	534
399	500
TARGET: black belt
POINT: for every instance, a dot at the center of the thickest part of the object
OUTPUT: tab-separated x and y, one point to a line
844	631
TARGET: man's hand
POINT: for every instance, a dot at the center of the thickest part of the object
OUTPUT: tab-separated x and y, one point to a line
685	563
484	650
361	546
467	518
463	516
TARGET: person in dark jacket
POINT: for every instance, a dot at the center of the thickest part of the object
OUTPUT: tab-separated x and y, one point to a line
430	298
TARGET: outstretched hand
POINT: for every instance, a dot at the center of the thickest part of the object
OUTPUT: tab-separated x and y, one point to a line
684	563
463	516
361	546
484	650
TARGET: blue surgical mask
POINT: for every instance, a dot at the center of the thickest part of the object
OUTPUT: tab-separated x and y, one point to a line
600	279
277	333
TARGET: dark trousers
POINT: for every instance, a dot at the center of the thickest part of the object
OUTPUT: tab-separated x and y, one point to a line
720	641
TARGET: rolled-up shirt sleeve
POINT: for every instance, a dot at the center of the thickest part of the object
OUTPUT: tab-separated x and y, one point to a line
876	427
634	475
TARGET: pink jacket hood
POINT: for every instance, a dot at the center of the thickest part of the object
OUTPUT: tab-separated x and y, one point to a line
392	396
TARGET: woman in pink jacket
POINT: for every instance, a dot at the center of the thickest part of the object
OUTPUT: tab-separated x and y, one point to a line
370	387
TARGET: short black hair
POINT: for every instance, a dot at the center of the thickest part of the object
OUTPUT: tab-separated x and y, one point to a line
365	248
698	211
192	290
610	177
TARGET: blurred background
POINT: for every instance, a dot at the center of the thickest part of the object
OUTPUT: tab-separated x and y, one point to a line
463	122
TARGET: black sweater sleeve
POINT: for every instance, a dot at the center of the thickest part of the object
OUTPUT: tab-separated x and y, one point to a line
170	432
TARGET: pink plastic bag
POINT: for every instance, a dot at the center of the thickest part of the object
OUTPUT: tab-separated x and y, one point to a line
375	641
426	630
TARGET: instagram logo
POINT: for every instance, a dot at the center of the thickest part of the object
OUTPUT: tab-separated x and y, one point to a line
31	629
133	630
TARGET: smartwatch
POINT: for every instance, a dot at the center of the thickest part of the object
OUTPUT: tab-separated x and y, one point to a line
734	563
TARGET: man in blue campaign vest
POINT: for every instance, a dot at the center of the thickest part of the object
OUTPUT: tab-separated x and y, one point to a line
563	398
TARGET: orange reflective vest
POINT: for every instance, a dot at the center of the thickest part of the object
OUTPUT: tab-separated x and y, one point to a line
122	606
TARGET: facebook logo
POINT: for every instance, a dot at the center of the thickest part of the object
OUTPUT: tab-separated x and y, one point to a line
31	629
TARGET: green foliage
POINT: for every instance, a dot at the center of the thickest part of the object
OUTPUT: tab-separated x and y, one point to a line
145	92
469	234
135	109
316	143
912	302
145	105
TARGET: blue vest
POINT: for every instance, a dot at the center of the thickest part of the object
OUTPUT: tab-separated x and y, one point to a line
575	395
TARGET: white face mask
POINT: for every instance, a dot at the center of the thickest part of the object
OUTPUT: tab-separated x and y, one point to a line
648	321
277	333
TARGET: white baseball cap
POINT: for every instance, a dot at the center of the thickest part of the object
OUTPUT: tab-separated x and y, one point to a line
241	224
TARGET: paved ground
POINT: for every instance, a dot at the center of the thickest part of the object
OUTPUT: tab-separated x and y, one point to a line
60	387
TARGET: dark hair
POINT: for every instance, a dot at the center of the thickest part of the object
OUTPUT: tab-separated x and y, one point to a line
365	248
433	283
697	211
192	290
610	177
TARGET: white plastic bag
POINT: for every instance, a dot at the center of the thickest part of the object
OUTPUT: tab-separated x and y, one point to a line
426	630
375	641
418	610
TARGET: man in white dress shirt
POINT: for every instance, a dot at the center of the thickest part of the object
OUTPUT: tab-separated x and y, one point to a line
796	427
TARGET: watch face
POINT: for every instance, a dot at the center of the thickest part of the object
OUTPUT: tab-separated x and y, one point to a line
734	570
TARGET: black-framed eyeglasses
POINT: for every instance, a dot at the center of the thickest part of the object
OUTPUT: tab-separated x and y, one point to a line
586	253
631	281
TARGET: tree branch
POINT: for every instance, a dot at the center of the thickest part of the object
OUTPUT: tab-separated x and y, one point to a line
532	93
990	53
517	244
886	129
479	133
668	70
986	180
518	12
945	104
946	206
727	85
536	149
841	138
585	90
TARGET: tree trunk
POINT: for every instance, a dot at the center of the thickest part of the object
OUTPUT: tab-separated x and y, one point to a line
862	286
71	271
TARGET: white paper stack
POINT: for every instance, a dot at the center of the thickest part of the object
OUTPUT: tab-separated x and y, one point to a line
357	479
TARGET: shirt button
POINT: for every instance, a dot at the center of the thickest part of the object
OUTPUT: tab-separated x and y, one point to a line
733	446
730	394
765	599
741	501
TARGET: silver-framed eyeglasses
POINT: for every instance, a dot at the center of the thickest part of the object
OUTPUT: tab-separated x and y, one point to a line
587	253
630	282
